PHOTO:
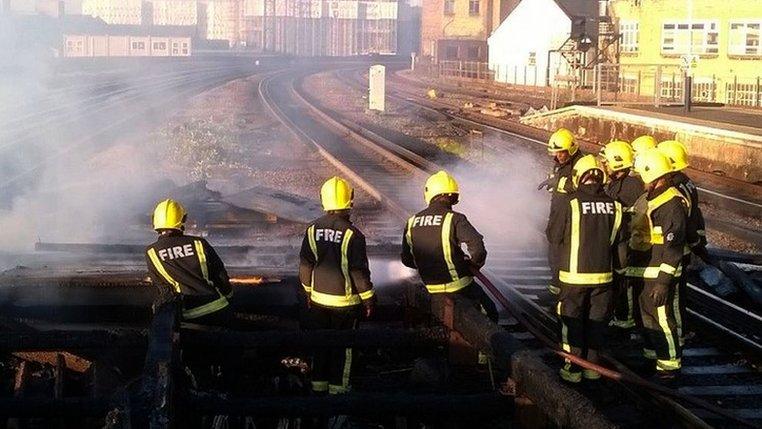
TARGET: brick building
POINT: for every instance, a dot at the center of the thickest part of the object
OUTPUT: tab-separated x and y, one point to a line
458	29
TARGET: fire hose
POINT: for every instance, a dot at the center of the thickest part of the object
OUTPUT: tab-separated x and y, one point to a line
606	372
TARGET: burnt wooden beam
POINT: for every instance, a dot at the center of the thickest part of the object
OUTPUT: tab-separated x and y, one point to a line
154	406
71	340
196	336
41	407
468	406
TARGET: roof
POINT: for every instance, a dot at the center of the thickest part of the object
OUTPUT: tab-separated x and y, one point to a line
48	29
572	8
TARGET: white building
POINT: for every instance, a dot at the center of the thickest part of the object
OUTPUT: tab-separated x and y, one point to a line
519	47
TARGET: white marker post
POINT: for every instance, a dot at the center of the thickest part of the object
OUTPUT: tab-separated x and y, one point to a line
377	88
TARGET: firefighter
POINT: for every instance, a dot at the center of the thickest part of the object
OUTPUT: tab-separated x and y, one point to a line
334	273
657	239
626	188
432	244
587	231
695	235
188	267
565	152
642	144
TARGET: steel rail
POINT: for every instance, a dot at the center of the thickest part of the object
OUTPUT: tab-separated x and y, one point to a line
753	206
604	371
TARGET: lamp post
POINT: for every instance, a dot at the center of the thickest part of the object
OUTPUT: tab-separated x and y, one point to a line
688	76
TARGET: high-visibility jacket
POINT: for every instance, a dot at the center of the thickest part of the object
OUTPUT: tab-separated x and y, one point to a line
431	244
658	235
694	233
587	229
563	186
333	264
186	265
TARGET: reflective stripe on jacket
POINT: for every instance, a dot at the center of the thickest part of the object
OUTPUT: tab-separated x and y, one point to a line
190	267
658	236
587	229
431	244
333	266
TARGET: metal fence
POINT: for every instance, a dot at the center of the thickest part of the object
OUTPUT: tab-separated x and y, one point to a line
655	84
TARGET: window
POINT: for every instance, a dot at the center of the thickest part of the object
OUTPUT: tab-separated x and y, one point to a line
174	51
744	38
161	46
138	45
629	32
449	7
185	51
473	52
678	38
451	53
473	7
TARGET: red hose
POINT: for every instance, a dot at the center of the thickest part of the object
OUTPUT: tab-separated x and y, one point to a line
605	372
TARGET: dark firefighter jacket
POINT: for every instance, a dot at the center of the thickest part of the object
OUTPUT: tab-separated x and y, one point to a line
563	186
333	264
657	235
431	244
626	189
188	266
694	234
587	230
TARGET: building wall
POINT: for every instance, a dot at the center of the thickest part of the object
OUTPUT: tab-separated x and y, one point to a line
456	23
717	63
115	11
518	49
175	12
222	20
77	45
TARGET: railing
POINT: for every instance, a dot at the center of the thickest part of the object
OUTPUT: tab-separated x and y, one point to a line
656	84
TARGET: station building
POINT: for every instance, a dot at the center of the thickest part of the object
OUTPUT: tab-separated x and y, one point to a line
724	37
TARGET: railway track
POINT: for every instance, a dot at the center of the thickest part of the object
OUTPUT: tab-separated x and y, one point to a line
88	122
734	194
713	371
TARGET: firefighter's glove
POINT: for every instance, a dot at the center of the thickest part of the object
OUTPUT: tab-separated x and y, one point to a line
370	306
659	293
700	251
549	183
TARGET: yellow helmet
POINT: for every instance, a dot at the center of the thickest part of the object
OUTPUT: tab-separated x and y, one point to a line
561	140
336	194
652	164
618	155
676	152
582	166
440	183
643	143
169	214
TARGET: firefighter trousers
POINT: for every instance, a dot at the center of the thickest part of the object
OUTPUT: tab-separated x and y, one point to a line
660	328
626	311
332	367
481	300
682	291
584	313
553	252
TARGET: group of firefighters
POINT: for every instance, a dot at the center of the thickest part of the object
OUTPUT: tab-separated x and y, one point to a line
619	231
333	268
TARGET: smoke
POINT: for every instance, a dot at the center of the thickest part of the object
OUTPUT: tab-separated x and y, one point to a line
501	199
78	155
